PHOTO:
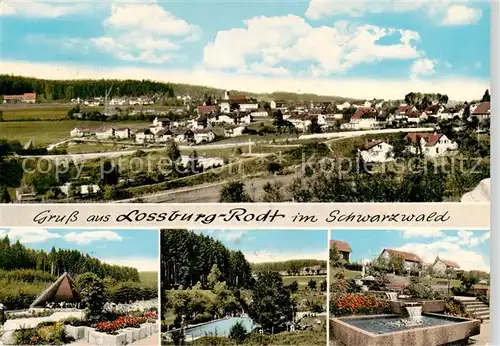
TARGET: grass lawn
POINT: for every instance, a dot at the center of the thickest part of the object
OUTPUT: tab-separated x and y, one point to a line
149	277
349	274
82	148
43	114
303	280
42	132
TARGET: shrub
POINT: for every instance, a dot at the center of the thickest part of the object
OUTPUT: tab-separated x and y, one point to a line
44	334
353	266
357	304
75	322
238	333
422	291
126	292
27	275
91	290
455	308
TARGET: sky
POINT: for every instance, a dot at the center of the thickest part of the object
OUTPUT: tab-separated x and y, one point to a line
359	49
470	249
274	245
134	248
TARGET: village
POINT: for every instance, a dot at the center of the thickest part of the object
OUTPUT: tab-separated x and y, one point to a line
240	134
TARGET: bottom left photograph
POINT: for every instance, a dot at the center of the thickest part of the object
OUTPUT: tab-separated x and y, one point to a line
79	287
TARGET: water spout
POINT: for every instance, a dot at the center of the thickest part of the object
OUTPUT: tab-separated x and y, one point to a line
415	312
392	296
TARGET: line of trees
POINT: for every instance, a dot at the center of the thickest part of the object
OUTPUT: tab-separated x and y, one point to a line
292	267
15	256
188	258
84	88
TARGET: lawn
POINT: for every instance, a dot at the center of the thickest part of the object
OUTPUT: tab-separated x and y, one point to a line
48	132
42	132
349	274
42	113
149	277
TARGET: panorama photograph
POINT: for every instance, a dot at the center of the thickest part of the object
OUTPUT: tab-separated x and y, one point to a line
313	101
420	287
233	287
79	287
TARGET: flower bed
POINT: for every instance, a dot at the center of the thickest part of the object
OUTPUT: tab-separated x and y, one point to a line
29	314
123	322
357	304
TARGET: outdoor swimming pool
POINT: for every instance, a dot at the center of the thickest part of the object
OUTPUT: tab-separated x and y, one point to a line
220	327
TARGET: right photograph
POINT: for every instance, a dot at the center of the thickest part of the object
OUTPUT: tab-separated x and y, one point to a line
425	287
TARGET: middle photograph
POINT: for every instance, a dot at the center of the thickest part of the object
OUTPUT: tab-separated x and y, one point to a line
265	287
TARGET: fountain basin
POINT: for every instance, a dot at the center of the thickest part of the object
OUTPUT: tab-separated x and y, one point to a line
382	330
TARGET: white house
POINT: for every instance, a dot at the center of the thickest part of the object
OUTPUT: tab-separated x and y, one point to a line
183	135
144	136
203	136
164	135
363	119
301	122
234	131
343	106
86	190
105	132
377	151
441	267
81	131
161	122
432	144
259	113
402	112
410	260
119	101
220	119
272	103
416	117
244	118
122	133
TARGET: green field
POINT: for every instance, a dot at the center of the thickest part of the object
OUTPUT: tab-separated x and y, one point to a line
42	132
42	113
149	277
48	132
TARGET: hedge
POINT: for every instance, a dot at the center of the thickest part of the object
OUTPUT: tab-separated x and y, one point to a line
126	292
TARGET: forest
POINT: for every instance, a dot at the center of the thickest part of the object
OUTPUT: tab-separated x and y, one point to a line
15	256
187	258
51	90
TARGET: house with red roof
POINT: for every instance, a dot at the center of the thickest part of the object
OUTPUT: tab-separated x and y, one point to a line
343	248
432	144
481	111
410	260
363	119
441	266
24	98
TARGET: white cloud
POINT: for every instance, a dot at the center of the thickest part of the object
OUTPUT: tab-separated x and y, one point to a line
422	67
462	15
143	32
87	237
142	264
29	235
234	236
43	9
456	87
268	256
422	233
446	12
270	41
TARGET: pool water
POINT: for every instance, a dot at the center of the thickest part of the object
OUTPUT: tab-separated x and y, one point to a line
220	328
383	325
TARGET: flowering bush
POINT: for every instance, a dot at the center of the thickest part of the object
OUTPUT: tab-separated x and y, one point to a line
121	323
357	304
152	316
